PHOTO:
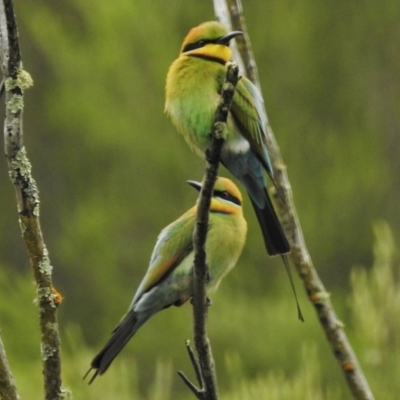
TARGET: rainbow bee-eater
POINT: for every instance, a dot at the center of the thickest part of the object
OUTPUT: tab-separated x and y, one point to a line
169	278
194	83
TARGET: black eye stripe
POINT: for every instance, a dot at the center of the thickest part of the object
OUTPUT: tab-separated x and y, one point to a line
197	45
226	196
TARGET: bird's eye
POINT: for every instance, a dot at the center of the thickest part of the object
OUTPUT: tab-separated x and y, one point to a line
225	195
201	43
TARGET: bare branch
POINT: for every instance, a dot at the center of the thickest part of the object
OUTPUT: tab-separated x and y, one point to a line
230	13
218	135
8	391
16	81
316	291
206	373
222	13
195	363
199	393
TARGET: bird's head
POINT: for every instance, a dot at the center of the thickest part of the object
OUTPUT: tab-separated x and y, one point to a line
226	196
209	40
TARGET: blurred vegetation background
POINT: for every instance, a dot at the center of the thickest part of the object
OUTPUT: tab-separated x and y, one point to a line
111	170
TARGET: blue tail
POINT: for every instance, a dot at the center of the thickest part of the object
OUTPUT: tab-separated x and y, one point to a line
274	237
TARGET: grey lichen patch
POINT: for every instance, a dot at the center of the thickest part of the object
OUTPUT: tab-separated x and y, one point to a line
323	295
44	264
32	192
22	226
13	174
320	297
23	81
22	163
47	351
16	103
36	210
228	87
220	130
10	83
21	169
66	394
42	292
53	300
20	166
51	326
15	122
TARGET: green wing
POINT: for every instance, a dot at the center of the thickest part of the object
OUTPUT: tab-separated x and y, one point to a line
248	112
173	244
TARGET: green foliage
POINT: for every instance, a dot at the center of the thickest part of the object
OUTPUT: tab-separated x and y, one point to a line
256	356
375	306
111	171
276	385
18	320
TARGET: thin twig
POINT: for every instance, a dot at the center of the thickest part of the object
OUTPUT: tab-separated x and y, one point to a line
316	291
8	391
199	393
195	363
200	304
16	81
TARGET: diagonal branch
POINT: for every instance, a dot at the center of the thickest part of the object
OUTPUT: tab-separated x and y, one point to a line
16	81
202	343
316	291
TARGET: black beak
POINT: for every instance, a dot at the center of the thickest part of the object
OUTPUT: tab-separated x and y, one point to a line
196	185
227	38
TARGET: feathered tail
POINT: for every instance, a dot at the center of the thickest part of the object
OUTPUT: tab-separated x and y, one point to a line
274	237
119	338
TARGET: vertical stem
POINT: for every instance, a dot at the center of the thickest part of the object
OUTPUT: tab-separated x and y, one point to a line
16	81
218	135
201	341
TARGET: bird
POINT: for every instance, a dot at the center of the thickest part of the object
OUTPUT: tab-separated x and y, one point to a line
169	278
193	86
